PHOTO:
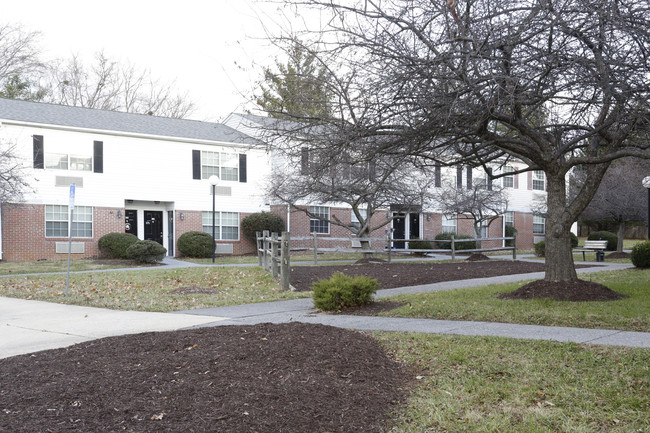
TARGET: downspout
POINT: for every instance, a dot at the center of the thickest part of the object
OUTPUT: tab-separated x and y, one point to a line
0	232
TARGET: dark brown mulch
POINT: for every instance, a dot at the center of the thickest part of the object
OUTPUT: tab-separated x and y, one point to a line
390	275
617	255
264	378
477	257
574	291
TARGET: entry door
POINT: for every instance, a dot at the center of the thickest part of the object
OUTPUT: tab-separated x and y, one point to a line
414	226
153	226
131	221
399	230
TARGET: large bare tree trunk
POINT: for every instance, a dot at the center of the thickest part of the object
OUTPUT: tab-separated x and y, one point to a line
559	255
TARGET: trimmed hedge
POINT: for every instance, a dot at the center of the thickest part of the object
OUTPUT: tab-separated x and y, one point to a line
641	255
195	244
341	291
611	238
442	237
114	245
420	245
146	252
260	221
540	249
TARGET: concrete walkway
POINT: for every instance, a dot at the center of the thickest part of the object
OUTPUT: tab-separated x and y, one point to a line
29	326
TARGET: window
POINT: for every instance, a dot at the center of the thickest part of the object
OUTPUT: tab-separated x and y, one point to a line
355	220
508	180
539	225
449	224
225	165
317	225
226	225
63	161
539	180
56	221
509	218
483	230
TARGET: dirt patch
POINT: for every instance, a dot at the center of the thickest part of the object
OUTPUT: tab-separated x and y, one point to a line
617	255
390	275
264	378
477	257
574	291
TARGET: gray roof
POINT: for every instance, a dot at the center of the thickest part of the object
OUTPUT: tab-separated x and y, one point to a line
63	115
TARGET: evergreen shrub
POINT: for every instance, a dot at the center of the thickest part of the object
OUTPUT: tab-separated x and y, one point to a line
641	255
341	291
195	244
442	237
146	252
419	244
260	221
611	238
540	249
114	245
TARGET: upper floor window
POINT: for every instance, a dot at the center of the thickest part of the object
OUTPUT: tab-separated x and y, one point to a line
226	225
319	221
63	161
355	221
223	164
539	180
509	179
56	221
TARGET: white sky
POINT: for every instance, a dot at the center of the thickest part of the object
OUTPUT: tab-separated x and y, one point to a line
213	49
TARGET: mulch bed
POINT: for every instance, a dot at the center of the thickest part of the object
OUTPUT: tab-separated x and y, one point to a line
391	275
573	291
264	378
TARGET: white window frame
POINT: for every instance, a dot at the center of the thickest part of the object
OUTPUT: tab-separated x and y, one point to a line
483	230
509	218
222	232
317	225
65	161
508	179
539	221
223	164
449	228
355	221
539	180
82	221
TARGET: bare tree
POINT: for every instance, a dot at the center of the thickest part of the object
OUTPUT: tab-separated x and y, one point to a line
13	180
20	67
480	202
556	84
621	198
109	85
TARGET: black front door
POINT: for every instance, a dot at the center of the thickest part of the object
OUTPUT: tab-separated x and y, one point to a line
153	226
131	221
399	230
414	226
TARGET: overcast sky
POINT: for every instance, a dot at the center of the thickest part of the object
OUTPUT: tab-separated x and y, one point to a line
214	50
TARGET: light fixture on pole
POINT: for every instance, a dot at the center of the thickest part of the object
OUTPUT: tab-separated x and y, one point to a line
214	180
646	184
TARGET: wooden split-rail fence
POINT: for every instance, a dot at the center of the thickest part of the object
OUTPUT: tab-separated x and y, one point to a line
273	256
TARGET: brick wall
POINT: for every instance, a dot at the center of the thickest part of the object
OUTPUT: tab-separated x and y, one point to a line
23	233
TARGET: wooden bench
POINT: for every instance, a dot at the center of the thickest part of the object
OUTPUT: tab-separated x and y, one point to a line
597	246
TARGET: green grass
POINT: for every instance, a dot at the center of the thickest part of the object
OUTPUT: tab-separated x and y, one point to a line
295	257
151	290
482	304
12	268
488	384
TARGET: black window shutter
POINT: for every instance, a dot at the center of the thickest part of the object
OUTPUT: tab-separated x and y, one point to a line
304	160
242	167
459	176
39	156
438	176
489	179
469	177
98	156
372	171
196	164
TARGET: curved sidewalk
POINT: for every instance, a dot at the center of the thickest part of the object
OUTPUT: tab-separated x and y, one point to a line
28	326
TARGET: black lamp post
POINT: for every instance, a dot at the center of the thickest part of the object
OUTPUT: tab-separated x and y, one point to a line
214	180
646	184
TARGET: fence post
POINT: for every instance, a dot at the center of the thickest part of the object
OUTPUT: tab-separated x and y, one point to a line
265	243
258	242
453	248
389	235
315	248
514	246
285	265
274	255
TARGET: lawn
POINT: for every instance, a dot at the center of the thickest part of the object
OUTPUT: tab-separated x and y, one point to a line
488	384
153	289
482	304
45	266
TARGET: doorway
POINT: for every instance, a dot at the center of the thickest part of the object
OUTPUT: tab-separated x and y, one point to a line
131	221
153	226
405	226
